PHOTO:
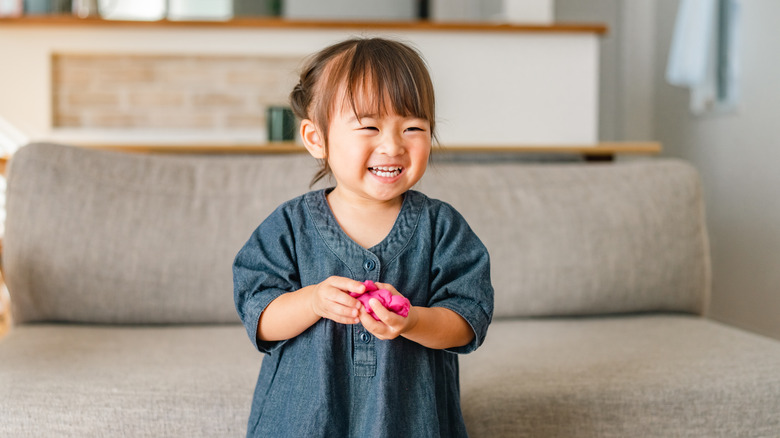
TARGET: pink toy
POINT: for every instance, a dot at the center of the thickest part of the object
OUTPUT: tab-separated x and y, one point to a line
393	303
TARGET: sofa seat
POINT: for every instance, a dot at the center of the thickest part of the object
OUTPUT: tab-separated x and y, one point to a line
660	375
654	375
139	381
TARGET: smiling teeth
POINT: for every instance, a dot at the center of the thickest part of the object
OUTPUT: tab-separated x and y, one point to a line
385	171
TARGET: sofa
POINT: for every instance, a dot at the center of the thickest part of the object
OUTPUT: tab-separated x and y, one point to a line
119	272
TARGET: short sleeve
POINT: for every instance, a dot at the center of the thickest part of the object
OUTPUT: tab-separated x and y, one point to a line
264	269
460	274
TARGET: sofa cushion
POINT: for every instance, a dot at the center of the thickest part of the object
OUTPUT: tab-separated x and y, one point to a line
78	380
110	237
648	376
579	239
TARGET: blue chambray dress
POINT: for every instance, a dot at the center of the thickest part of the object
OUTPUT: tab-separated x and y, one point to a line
337	380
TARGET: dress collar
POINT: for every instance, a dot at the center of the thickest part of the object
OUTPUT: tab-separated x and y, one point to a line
347	249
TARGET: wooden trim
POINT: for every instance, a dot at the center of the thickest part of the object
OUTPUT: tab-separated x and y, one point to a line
605	148
271	148
280	23
599	149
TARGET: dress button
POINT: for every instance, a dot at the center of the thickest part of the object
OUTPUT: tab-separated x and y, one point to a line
365	337
369	265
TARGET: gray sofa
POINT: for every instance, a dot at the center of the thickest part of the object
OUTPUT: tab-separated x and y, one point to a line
119	270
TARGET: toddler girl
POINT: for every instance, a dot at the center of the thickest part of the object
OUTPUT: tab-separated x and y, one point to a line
331	369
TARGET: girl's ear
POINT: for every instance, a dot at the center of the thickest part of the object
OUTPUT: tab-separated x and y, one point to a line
312	139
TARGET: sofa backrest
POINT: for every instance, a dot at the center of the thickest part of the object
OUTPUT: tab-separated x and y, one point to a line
585	238
109	237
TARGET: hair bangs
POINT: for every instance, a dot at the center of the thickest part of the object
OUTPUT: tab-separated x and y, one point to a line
379	81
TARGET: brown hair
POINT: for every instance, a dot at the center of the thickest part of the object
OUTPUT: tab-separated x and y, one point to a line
395	72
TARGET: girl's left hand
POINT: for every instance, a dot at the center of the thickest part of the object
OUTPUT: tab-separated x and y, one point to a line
390	324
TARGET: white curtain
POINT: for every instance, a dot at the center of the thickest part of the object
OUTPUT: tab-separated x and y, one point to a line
704	39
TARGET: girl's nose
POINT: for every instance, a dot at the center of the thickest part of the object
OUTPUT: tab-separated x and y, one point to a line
392	145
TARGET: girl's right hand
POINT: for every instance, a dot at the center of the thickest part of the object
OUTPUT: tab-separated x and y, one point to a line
330	299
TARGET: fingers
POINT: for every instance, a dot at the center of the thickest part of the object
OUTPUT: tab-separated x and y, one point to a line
343	314
340	297
380	311
377	328
389	326
346	284
330	299
340	313
369	323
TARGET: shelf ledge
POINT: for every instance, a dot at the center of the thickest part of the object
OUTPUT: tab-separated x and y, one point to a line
599	149
276	23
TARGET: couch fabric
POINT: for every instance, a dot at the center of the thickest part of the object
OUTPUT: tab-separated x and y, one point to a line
118	266
615	239
650	375
134	238
77	380
574	239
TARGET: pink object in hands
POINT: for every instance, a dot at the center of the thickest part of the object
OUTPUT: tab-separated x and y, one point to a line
393	303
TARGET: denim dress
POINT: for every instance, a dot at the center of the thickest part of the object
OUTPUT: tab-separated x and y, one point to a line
337	380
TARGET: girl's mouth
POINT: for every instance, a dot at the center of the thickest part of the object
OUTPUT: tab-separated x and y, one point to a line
386	171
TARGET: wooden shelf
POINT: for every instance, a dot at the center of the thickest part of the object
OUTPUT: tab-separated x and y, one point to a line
275	23
599	149
606	149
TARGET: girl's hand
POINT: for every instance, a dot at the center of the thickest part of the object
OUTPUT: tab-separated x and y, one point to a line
390	324
330	299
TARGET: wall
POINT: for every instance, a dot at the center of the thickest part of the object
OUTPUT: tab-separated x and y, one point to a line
521	91
168	91
738	155
626	77
607	12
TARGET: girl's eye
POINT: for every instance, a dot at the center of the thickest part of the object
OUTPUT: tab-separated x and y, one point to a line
370	128
414	128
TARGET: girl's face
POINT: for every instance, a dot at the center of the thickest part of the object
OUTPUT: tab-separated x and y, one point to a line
376	157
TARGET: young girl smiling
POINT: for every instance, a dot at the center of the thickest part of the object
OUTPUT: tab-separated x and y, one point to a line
331	369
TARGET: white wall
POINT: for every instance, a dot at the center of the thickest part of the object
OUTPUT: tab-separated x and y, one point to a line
493	88
738	155
608	13
626	77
